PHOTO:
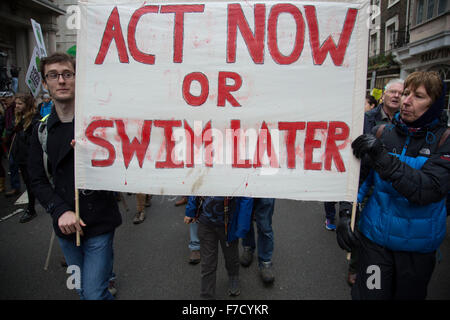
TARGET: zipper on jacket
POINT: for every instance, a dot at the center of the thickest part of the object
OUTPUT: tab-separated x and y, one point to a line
405	147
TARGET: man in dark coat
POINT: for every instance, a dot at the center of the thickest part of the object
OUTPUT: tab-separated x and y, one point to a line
99	214
385	111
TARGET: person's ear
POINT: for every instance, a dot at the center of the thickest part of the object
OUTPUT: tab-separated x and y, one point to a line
44	84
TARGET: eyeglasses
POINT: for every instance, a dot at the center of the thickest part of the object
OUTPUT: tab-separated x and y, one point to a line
67	75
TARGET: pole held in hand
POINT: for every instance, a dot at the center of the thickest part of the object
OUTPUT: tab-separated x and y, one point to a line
77	214
352	224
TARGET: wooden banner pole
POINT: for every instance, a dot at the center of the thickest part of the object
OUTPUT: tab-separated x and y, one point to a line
352	224
77	214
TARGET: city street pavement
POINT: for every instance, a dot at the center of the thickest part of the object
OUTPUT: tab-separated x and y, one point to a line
151	259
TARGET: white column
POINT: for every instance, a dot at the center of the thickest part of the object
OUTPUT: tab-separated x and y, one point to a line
31	41
51	42
46	41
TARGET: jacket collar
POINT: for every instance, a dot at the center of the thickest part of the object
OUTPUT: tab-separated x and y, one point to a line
378	114
418	132
53	119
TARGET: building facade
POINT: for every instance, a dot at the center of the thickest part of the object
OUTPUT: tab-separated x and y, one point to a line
388	30
66	37
17	39
428	48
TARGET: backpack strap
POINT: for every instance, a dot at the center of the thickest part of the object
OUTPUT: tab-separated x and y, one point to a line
444	137
42	136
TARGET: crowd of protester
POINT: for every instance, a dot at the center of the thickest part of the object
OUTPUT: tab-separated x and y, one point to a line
400	217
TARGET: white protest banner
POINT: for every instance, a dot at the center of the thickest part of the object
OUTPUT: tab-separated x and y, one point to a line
42	52
251	98
33	76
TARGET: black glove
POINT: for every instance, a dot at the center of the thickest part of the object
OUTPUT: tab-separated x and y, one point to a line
346	238
367	144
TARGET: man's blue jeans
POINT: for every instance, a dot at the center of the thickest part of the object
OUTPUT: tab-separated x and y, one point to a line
262	211
194	242
95	258
14	84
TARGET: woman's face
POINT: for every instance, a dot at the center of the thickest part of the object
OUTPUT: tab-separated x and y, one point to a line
414	103
20	105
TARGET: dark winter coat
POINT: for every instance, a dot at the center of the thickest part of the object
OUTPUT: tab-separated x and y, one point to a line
373	118
98	209
9	123
21	142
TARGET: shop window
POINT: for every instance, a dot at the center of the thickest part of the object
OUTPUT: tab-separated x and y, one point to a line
391	36
420	7
390	33
430	9
392	2
373	44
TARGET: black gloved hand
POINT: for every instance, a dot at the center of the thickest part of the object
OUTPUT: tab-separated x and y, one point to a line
346	238
367	144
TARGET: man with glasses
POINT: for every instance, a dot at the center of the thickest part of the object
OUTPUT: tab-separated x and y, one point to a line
385	111
54	185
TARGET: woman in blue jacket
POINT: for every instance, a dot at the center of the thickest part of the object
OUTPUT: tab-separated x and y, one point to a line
221	220
404	220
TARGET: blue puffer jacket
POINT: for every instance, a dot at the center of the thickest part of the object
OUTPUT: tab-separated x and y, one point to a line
212	213
406	211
